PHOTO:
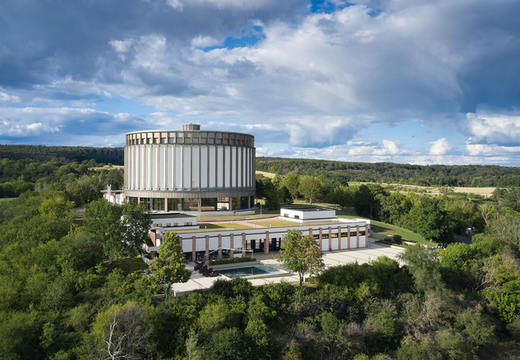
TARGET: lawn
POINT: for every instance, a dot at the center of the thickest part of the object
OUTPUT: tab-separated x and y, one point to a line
275	223
215	227
235	217
389	230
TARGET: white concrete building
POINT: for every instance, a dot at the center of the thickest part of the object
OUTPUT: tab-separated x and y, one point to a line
331	236
304	214
190	169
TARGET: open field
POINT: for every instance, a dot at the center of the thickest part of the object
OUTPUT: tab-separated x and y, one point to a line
434	190
266	174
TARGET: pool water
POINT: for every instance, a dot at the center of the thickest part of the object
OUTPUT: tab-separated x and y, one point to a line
246	271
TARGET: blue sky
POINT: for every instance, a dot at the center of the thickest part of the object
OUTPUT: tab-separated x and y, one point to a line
424	82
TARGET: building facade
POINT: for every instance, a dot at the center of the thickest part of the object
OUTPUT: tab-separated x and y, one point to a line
190	169
331	233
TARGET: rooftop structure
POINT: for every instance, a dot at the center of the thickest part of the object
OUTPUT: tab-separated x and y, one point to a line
304	214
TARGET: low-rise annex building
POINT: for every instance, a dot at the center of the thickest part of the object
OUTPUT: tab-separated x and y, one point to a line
331	233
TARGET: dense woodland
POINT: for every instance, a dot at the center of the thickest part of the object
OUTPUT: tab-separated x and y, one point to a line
440	175
438	218
105	155
76	288
81	181
339	171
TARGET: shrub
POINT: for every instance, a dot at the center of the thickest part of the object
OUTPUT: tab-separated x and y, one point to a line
397	239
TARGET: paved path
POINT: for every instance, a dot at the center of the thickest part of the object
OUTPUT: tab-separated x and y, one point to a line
335	258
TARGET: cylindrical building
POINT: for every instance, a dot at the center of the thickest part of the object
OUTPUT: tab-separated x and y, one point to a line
190	169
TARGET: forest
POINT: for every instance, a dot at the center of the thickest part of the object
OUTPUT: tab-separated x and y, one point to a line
104	155
339	171
82	181
75	287
438	218
438	175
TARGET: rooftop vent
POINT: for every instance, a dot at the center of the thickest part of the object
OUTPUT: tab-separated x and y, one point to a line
191	127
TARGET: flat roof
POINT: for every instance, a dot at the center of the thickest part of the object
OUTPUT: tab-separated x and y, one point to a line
169	215
306	208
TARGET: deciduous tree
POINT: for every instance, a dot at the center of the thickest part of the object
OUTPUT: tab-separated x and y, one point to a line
169	267
301	254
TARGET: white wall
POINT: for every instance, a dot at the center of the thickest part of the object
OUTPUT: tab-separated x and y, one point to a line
307	215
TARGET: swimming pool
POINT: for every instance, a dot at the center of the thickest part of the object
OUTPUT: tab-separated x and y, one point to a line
248	271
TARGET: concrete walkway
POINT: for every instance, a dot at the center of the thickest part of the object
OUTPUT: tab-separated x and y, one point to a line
334	258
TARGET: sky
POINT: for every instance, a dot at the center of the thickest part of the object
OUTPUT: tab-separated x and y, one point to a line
422	82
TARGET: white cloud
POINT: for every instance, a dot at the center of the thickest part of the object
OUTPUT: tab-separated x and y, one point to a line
492	150
5	97
390	147
204	41
313	80
121	46
20	122
494	128
439	147
319	82
383	151
176	4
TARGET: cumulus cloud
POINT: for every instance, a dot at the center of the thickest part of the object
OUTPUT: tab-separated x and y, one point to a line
439	147
5	97
313	80
493	128
386	148
63	122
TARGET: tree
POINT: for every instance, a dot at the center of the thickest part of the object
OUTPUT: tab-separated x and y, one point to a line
301	254
56	206
104	221
333	336
273	195
123	332
310	187
424	266
291	182
366	201
136	223
169	267
429	219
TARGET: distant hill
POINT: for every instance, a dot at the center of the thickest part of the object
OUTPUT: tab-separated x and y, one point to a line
338	171
438	175
105	155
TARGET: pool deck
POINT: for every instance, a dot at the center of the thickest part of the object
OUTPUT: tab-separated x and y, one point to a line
364	255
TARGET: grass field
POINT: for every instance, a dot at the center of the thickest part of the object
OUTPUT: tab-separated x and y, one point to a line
389	230
433	190
266	174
